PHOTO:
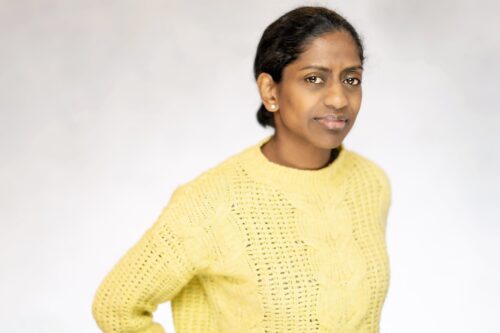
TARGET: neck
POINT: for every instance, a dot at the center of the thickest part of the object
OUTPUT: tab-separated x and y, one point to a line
292	179
296	155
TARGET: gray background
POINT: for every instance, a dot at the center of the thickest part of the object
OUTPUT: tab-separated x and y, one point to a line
107	106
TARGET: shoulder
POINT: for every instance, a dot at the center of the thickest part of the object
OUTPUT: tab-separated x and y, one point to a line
211	186
218	178
368	171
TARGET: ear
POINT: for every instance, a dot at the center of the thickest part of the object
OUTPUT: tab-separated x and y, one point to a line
268	91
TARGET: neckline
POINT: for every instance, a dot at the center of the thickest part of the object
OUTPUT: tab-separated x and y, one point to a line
293	178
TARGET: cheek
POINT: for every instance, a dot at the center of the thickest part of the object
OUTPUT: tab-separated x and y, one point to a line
355	100
300	101
290	103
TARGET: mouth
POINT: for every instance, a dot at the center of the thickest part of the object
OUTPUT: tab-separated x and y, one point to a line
332	122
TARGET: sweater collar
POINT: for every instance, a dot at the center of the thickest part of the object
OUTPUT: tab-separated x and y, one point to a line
264	170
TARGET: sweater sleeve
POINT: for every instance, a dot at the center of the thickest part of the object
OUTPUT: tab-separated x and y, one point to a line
154	270
385	199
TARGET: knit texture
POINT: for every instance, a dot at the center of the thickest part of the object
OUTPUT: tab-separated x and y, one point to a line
254	246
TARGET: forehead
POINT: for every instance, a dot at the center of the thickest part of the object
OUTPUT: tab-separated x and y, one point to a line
332	49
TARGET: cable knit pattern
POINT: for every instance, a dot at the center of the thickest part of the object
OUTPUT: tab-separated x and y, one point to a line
253	246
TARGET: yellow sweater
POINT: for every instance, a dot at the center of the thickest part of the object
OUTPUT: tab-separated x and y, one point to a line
253	246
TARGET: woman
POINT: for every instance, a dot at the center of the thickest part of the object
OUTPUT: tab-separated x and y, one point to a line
288	235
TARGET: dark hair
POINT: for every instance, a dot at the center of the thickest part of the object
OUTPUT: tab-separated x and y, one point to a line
286	38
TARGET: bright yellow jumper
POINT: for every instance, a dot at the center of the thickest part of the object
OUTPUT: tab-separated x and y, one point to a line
253	246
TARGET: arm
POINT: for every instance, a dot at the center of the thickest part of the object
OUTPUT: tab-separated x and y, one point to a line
153	271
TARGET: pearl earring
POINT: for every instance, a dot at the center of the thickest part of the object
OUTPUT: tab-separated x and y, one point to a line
273	106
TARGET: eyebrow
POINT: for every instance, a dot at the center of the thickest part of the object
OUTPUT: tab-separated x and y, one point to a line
325	69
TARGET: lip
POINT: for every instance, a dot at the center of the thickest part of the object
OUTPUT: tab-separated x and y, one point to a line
332	117
332	122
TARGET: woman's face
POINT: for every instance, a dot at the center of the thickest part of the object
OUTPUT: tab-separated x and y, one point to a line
321	85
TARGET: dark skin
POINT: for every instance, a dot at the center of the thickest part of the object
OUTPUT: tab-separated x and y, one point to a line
325	80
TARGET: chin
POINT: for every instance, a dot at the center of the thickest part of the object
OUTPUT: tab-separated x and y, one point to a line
329	143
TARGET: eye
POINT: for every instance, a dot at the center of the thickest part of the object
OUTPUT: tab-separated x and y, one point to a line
353	81
314	79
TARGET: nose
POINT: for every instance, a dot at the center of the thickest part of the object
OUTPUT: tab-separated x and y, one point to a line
335	96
